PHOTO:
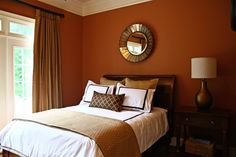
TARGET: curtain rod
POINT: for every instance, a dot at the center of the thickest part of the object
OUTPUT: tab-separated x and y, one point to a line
36	7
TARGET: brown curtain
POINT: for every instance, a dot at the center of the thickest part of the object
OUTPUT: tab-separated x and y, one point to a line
47	64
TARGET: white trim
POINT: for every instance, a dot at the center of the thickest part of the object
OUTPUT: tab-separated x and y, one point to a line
7	17
95	6
89	7
4	25
73	6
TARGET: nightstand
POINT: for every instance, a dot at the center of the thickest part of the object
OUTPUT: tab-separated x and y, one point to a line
214	124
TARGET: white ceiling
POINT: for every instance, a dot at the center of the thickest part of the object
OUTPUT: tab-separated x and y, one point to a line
88	7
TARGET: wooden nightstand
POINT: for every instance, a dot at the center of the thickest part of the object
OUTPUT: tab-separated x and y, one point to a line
214	124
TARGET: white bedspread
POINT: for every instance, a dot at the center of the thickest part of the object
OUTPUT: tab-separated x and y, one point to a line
35	140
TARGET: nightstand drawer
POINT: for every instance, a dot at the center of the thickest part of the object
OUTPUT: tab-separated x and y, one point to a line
203	121
213	124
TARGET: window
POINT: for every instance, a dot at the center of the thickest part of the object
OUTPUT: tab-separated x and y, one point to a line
21	29
23	69
16	65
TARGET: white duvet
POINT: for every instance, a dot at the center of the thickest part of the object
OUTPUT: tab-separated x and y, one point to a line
35	140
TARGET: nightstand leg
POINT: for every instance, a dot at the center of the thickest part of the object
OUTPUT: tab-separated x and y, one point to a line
225	144
185	132
178	132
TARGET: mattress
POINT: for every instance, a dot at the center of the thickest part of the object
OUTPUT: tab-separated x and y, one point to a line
32	139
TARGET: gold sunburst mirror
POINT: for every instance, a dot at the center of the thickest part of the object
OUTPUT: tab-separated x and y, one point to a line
136	43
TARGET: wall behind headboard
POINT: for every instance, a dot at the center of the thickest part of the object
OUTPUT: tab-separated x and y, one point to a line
182	29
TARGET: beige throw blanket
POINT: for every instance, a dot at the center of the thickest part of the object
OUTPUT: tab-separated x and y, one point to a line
115	138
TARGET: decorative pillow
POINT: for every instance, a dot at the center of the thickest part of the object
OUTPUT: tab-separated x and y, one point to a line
136	99
107	101
105	81
142	84
91	87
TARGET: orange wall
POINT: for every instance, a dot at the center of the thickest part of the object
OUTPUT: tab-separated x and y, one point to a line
71	46
182	29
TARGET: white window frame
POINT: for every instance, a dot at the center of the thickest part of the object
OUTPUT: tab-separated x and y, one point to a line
10	39
7	17
4	25
18	22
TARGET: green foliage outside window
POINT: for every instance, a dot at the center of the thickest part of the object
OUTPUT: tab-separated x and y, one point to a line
23	63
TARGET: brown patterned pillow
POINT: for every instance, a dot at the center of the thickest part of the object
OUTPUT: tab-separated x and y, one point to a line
107	101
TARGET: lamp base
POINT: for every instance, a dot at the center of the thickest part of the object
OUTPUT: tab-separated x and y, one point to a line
203	98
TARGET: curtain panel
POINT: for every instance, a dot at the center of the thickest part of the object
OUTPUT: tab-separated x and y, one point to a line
47	93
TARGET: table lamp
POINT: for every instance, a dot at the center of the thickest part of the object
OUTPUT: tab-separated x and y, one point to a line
203	68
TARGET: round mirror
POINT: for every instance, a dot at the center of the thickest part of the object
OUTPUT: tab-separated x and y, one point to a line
136	43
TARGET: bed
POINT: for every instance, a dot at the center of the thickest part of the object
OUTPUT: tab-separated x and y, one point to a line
163	104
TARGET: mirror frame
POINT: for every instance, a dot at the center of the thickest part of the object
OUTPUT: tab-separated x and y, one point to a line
125	36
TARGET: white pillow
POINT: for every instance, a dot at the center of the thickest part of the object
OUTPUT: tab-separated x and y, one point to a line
136	99
91	87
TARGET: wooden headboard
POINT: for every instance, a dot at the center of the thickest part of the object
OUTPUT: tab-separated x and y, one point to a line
164	94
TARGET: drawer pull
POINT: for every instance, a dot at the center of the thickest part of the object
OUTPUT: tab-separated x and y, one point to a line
212	122
186	118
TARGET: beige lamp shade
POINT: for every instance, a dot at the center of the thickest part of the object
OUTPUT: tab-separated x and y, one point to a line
203	67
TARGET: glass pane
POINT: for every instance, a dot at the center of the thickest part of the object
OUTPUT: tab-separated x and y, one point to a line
17	56
28	59
18	89
18	72
21	29
23	68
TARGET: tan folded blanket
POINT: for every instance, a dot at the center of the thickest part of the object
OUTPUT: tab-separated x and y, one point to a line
115	138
